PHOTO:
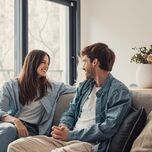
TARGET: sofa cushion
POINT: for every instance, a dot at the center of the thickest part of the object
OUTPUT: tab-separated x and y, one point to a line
144	141
61	106
128	131
142	99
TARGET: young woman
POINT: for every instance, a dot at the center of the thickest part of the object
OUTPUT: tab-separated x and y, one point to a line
27	103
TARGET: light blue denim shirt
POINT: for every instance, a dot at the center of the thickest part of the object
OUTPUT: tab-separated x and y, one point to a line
9	102
112	105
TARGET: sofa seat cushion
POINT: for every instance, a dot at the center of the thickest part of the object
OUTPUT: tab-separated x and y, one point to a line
128	131
143	142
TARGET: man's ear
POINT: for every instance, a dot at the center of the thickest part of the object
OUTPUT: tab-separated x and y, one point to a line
95	62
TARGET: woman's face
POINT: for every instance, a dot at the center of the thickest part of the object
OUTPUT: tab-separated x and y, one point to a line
43	67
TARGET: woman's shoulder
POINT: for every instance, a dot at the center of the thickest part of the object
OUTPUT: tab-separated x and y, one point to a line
11	82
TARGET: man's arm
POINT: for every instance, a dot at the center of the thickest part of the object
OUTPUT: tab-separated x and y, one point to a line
69	118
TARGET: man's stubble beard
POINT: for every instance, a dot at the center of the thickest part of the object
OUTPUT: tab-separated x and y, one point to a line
90	74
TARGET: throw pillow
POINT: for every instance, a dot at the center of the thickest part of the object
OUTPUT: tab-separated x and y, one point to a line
128	131
144	141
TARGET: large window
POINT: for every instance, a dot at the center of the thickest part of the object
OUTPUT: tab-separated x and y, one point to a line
48	30
6	40
50	25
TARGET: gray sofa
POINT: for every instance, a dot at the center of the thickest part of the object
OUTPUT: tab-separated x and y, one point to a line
140	99
62	105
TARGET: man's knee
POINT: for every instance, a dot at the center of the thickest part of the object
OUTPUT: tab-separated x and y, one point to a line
30	144
16	146
12	147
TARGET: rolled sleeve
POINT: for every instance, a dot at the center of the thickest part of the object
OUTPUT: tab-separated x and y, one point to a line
4	102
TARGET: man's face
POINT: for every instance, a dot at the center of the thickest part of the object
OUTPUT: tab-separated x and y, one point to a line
87	67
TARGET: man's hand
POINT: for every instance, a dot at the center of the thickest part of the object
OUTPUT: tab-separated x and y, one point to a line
21	129
60	132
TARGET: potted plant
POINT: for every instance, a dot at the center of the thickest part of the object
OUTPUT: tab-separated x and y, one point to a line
143	56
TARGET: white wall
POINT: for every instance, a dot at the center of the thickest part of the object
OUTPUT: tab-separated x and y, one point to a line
122	24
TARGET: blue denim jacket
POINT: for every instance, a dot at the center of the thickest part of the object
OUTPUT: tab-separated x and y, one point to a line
9	102
112	105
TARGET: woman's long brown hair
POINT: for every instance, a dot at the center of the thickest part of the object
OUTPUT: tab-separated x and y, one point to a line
32	87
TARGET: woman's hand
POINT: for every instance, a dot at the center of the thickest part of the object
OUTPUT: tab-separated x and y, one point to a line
21	128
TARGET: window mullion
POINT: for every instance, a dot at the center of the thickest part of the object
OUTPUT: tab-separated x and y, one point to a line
21	34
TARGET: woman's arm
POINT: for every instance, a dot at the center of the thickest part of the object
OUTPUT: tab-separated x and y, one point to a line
7	108
8	118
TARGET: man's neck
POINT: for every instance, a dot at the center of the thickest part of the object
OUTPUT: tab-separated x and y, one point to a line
101	78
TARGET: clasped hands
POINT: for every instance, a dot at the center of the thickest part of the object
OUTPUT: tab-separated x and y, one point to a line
60	132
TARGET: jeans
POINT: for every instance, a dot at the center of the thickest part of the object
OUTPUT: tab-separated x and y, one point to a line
32	129
8	133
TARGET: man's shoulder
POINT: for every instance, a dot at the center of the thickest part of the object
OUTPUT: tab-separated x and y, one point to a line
86	83
118	85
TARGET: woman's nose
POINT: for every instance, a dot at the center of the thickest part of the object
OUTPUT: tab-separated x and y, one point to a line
47	66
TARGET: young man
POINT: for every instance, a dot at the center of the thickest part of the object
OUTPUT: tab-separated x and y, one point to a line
94	116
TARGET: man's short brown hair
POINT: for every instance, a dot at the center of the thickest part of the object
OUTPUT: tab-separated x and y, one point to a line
102	52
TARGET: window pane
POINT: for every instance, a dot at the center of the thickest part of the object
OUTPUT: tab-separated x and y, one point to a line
6	40
47	30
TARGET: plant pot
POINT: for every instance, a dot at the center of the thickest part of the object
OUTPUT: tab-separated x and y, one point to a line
144	75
